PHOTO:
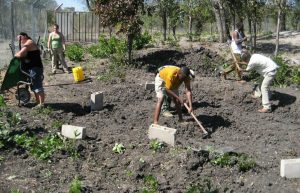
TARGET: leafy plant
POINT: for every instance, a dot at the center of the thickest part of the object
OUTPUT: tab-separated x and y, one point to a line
75	186
2	101
44	111
151	184
141	40
206	187
119	148
75	52
284	71
42	148
296	75
57	123
13	119
243	161
15	191
156	145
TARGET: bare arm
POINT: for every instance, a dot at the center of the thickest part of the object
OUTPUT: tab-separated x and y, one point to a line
22	52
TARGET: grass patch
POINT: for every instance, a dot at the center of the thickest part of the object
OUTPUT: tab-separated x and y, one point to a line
75	186
206	186
151	184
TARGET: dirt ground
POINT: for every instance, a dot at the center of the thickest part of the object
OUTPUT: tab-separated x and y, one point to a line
224	107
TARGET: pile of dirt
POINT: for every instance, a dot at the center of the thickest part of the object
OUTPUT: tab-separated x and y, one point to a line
225	109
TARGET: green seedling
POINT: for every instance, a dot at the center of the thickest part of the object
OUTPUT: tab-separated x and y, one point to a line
119	148
206	187
156	145
75	186
15	191
57	124
151	184
13	119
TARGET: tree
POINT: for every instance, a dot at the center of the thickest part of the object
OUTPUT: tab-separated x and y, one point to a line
124	15
219	10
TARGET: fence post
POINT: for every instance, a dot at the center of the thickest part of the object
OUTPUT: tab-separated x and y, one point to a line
12	27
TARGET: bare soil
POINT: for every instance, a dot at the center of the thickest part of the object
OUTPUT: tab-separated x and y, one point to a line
224	107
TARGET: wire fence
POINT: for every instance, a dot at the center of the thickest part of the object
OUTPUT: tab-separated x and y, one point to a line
16	17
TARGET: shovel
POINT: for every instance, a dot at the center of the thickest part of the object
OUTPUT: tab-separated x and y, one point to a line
205	133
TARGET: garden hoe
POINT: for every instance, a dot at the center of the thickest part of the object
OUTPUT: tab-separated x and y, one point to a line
205	133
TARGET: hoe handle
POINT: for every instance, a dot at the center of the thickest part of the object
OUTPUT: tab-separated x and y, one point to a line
200	125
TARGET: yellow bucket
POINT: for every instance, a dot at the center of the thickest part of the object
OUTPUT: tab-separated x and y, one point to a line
78	74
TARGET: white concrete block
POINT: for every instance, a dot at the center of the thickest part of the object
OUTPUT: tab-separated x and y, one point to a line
161	133
290	168
96	101
73	132
149	86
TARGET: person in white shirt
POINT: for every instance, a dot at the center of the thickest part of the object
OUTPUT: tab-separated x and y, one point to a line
266	67
238	37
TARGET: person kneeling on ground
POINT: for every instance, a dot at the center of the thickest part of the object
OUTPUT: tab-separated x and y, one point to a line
268	69
32	64
167	82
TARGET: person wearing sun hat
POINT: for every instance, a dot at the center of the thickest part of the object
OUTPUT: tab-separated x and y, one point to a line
167	83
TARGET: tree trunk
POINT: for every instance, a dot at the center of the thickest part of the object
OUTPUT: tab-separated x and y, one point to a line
255	34
220	19
277	31
174	32
164	19
190	27
129	46
283	21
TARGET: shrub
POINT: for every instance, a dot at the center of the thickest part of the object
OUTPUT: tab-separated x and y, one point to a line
106	47
284	71
75	52
141	40
296	75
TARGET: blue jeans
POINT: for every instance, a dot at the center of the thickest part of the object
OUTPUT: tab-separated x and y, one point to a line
36	75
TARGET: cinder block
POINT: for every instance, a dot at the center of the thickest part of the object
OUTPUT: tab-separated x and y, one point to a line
290	168
96	101
149	86
73	132
164	134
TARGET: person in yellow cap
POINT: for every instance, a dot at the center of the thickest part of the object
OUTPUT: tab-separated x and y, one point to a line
167	82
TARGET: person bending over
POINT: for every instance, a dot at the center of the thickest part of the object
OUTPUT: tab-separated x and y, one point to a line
32	64
167	82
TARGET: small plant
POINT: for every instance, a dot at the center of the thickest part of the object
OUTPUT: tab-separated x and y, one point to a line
75	52
57	124
206	187
156	145
44	111
243	161
15	191
13	119
119	148
40	148
151	184
75	186
2	101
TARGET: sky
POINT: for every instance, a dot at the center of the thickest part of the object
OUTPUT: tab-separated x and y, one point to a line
72	3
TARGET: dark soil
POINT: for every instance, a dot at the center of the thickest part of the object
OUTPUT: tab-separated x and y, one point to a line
225	109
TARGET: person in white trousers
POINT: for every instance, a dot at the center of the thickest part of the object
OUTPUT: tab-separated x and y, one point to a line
266	67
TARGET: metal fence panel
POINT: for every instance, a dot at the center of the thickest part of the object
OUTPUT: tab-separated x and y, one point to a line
78	26
16	17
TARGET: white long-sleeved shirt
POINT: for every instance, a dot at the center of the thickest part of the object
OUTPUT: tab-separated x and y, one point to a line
262	64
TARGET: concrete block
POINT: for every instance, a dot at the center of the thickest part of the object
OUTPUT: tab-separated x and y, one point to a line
290	168
96	101
73	132
149	86
161	133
